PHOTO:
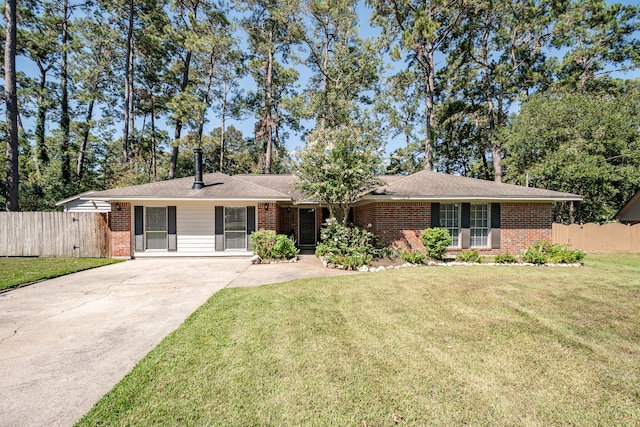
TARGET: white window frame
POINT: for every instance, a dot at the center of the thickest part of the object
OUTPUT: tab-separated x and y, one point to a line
148	232
450	220
228	232
480	225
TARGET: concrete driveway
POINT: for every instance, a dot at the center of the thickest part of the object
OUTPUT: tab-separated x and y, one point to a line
65	342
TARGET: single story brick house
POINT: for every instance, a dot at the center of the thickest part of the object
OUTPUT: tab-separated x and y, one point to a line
216	214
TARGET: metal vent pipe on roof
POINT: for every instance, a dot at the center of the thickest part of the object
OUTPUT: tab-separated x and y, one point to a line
197	169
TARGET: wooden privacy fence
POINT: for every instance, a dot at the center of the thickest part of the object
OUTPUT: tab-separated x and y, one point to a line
54	234
592	237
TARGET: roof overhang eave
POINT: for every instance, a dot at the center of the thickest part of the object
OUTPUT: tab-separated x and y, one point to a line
185	199
387	198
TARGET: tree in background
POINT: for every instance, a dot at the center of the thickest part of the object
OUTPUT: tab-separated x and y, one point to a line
11	101
338	165
578	143
422	30
344	66
271	35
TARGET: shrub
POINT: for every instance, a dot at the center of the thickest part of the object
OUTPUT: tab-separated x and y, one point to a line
350	247
436	241
266	244
544	252
469	256
284	248
505	259
262	241
415	257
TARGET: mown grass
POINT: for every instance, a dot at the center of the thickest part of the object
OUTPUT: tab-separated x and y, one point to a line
19	271
424	346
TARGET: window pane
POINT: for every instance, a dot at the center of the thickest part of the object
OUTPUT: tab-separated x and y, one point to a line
479	225
156	219
155	228
156	240
450	220
235	228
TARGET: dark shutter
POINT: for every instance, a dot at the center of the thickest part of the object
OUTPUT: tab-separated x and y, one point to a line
219	228
465	225
495	225
139	228
173	238
435	215
251	223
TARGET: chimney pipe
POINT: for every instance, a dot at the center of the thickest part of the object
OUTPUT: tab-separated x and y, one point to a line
197	169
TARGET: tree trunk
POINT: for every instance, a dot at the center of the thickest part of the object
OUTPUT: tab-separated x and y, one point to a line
128	85
86	131
41	117
429	108
11	99
178	129
268	119
223	119
64	103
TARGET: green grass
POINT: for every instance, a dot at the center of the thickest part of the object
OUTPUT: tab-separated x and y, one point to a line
19	271
477	345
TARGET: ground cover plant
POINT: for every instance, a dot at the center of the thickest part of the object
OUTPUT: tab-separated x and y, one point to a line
422	346
18	271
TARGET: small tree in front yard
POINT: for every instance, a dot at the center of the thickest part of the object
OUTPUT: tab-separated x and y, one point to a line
337	166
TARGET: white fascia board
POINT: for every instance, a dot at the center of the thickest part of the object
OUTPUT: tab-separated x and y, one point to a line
184	199
469	199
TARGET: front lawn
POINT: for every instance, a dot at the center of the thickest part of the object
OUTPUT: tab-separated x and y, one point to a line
19	271
422	346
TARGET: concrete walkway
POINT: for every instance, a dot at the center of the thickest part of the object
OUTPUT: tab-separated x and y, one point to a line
65	342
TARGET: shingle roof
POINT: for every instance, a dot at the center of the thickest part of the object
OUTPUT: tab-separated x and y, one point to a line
424	185
434	185
217	186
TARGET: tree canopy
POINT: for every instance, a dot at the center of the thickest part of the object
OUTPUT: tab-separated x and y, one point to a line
111	93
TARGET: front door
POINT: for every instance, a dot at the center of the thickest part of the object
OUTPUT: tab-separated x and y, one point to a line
307	224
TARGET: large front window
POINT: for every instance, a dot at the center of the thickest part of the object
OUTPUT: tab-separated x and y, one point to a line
479	225
235	227
156	228
450	220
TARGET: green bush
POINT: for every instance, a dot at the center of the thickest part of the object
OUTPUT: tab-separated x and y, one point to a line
469	256
505	259
350	247
415	257
544	252
284	248
266	244
262	241
436	241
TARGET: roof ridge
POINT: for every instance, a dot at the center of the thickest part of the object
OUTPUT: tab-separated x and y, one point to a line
258	185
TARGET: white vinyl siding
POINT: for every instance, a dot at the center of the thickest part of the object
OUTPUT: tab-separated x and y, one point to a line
450	220
195	228
480	223
87	206
235	227
155	227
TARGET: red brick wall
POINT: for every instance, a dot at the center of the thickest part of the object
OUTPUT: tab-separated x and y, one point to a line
288	221
267	216
523	224
397	224
120	224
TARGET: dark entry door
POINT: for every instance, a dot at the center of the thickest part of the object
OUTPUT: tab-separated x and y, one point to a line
307	218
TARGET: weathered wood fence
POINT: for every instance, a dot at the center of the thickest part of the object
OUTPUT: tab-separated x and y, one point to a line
592	237
54	234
